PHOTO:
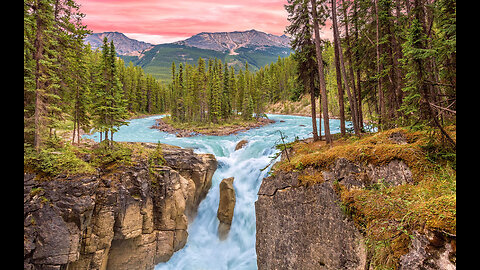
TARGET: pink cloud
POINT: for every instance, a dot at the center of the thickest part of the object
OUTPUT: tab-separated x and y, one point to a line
160	21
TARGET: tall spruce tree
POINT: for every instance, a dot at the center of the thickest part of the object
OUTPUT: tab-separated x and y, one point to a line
52	32
300	29
110	106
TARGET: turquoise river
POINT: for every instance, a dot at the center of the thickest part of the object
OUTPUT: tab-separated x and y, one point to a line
203	249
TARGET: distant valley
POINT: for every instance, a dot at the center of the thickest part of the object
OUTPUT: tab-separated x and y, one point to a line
235	48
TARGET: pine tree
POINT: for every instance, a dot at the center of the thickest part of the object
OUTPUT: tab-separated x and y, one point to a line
344	74
110	106
240	96
226	106
202	85
180	97
51	31
215	110
80	94
301	31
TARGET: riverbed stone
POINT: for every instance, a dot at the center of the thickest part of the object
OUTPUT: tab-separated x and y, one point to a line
240	144
226	207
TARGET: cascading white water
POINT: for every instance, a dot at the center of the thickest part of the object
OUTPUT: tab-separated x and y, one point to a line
203	249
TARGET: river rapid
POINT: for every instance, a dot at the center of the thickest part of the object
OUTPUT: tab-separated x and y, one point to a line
203	249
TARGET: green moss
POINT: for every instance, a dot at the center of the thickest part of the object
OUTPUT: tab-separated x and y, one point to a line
108	154
36	191
56	159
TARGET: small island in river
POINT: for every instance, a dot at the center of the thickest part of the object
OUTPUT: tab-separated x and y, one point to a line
221	129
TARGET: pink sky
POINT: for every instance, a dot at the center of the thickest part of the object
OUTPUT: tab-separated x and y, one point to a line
164	21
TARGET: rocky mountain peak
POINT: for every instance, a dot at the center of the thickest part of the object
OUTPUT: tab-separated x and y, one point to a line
123	44
230	41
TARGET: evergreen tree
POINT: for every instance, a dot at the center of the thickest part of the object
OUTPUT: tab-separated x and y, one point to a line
202	86
302	33
226	106
110	106
80	94
215	99
51	30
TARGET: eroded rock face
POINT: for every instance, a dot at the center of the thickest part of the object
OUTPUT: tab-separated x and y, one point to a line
359	175
132	218
226	207
305	228
429	251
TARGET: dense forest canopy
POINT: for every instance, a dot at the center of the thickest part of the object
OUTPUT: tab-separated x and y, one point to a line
396	60
392	63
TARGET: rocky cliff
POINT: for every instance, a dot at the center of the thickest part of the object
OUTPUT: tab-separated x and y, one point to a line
334	209
132	217
304	228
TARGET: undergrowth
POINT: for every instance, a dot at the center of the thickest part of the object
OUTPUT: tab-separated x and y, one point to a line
57	158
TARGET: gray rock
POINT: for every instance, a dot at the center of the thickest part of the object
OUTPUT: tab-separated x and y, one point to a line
428	252
304	228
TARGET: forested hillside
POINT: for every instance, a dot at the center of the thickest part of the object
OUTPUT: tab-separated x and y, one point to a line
392	63
157	61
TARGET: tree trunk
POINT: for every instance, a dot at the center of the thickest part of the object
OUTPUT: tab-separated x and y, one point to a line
39	70
357	61
424	88
323	87
341	104
314	114
351	100
320	118
78	134
74	127
381	99
350	66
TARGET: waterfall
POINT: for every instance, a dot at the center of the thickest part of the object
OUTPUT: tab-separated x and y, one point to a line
203	249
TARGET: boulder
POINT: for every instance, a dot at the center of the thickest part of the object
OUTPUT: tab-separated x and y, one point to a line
240	144
226	207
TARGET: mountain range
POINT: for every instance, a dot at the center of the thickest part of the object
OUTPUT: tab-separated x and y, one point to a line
231	41
123	44
235	48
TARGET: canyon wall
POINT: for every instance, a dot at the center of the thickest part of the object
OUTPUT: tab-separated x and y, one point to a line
132	217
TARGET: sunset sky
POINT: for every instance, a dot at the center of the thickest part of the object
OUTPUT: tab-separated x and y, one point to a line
164	21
